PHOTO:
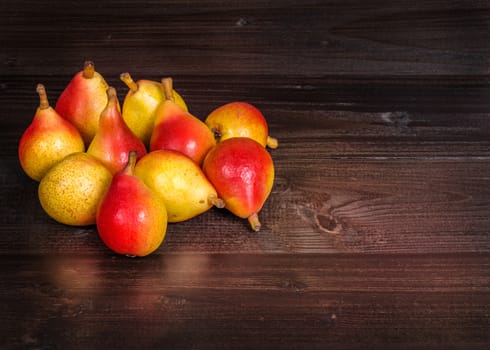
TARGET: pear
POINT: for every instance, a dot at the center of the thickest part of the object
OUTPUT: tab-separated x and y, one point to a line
48	139
240	119
179	130
131	219
242	172
114	140
140	105
180	181
71	190
83	99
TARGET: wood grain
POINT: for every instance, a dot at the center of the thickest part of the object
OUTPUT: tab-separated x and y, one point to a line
317	205
262	37
399	300
376	233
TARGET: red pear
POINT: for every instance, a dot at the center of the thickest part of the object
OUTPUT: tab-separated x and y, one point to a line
48	139
242	172
240	119
131	219
114	140
178	130
83	99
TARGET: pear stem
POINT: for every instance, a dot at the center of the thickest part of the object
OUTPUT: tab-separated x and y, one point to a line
128	80
272	142
128	169
88	69
168	91
43	97
217	202
254	222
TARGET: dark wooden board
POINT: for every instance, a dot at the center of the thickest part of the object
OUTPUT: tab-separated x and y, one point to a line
376	233
317	205
248	300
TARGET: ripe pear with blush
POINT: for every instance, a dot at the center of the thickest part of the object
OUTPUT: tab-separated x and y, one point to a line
83	99
242	172
131	218
180	181
48	139
140	104
114	140
240	119
178	130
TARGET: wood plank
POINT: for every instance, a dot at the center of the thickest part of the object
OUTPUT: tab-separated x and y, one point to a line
317	205
462	95
235	301
277	37
329	116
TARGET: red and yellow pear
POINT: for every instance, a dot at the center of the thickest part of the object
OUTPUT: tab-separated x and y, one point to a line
131	218
114	140
140	104
178	130
242	172
180	181
83	99
240	119
48	139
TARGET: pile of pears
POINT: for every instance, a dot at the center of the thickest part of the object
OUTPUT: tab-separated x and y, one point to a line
131	169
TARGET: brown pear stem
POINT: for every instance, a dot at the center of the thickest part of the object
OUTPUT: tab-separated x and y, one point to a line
128	169
43	97
254	222
88	69
217	202
128	80
168	89
272	142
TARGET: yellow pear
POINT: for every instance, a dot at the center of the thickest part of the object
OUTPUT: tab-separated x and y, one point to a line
71	190
180	181
140	105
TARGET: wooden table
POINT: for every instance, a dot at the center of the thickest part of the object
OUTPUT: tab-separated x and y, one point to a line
376	233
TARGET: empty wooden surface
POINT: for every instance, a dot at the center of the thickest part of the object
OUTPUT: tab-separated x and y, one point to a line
376	233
